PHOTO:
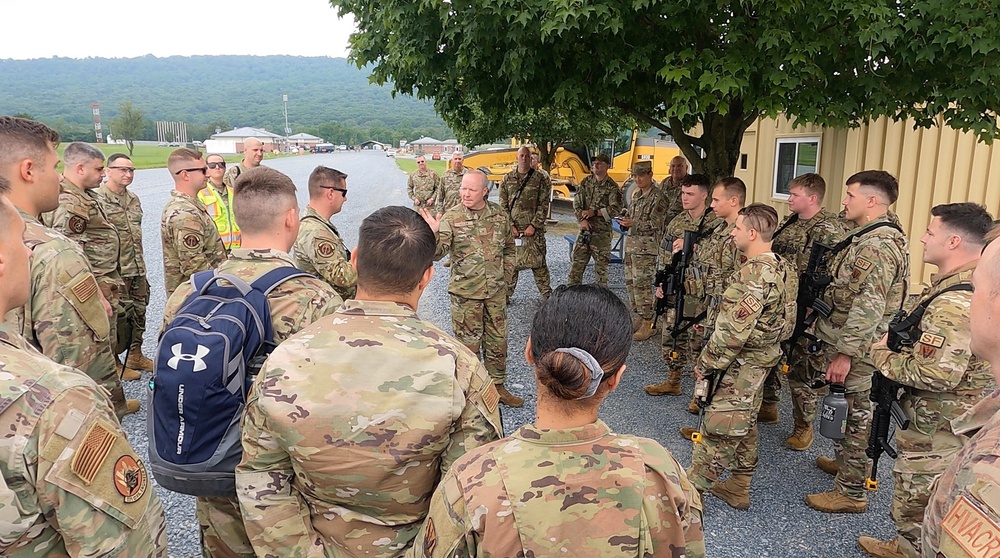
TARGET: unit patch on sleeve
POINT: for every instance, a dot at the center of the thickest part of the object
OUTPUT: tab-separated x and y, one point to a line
191	241
325	249
747	307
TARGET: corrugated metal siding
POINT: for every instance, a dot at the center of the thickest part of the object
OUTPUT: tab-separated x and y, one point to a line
934	166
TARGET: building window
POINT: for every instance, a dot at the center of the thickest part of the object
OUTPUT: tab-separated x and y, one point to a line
793	157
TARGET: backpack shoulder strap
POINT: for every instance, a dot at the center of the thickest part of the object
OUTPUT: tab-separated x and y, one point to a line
953	288
267	282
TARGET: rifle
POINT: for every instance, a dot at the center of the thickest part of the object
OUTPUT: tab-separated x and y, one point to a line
885	395
704	392
671	279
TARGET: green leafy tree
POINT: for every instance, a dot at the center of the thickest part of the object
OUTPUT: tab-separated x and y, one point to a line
700	71
129	125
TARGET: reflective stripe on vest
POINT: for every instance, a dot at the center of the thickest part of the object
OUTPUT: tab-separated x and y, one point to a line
222	215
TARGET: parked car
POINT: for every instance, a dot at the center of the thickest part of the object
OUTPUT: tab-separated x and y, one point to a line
390	153
436	157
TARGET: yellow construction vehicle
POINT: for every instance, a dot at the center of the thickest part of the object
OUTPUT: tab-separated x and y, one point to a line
571	163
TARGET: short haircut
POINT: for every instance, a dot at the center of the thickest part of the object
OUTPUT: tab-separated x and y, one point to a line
733	187
4	185
79	152
114	157
395	248
812	183
588	317
319	176
881	181
761	218
699	180
261	197
179	157
476	173
970	219
21	138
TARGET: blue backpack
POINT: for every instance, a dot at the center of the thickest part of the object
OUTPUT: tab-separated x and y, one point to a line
206	361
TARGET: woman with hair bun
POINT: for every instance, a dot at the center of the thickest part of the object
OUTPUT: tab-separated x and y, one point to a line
566	485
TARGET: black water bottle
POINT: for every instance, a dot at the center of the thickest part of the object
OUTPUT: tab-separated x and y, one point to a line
833	419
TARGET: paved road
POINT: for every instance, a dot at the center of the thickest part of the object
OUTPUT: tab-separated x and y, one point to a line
778	522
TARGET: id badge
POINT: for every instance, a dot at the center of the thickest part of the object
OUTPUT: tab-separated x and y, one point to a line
518	241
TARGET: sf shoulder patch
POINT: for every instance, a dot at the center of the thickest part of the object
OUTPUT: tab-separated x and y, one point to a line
748	306
491	397
928	345
92	452
130	478
191	241
325	249
77	224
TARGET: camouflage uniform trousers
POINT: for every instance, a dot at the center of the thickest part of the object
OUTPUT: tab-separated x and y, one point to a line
801	376
543	280
132	313
599	248
729	428
640	271
689	344
852	463
482	324
112	290
223	534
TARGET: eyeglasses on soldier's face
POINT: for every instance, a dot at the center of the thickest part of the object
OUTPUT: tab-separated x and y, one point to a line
337	188
126	170
202	170
217	165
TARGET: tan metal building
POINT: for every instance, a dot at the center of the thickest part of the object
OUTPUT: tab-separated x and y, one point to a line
934	166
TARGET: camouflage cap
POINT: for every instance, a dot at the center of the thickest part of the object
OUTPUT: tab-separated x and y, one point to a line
642	167
601	157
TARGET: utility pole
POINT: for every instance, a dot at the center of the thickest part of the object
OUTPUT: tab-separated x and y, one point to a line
284	99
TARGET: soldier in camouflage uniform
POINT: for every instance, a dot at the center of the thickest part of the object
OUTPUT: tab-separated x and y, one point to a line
597	201
124	211
477	234
264	200
451	183
699	218
423	185
253	154
353	421
943	379
570	491
807	224
524	195
82	219
71	484
536	164
671	186
870	279
962	517
755	314
318	248
66	317
191	243
645	223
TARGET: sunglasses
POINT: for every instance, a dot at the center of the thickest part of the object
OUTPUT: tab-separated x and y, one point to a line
214	165
203	170
341	190
126	170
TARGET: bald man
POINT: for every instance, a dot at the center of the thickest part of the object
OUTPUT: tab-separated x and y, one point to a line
671	186
253	154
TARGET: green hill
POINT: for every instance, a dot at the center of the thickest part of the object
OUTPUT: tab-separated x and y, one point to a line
328	97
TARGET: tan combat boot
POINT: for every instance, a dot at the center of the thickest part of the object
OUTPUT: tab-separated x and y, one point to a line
693	407
131	374
768	413
801	438
827	465
637	322
670	386
734	491
130	406
138	361
881	549
508	398
644	332
687	432
832	501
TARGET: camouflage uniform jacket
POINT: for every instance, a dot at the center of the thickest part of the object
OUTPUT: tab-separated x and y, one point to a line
964	503
794	242
574	492
672	193
320	251
64	317
191	243
82	219
234	172
648	211
349	427
945	379
601	196
448	195
71	485
718	258
870	279
423	186
125	213
294	304
531	205
481	245
756	312
694	283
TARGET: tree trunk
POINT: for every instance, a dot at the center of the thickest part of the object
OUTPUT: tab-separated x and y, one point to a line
130	145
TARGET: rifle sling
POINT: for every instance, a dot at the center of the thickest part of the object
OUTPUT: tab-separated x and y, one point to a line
520	189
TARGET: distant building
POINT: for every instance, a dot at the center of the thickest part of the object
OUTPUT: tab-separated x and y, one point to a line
431	145
232	141
303	140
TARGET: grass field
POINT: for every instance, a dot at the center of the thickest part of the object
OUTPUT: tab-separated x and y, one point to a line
150	156
410	165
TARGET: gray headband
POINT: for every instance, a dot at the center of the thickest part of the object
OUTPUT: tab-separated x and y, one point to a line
588	360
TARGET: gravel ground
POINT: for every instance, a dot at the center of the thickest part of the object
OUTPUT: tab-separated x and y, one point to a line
778	522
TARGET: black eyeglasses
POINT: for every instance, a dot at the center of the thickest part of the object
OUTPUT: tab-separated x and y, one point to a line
214	165
203	170
341	190
123	169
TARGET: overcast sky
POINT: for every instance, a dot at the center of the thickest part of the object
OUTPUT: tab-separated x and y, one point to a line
126	29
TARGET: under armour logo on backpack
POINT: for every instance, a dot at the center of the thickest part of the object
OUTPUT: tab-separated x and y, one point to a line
198	358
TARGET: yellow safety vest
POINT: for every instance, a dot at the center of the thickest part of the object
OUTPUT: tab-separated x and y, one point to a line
222	215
